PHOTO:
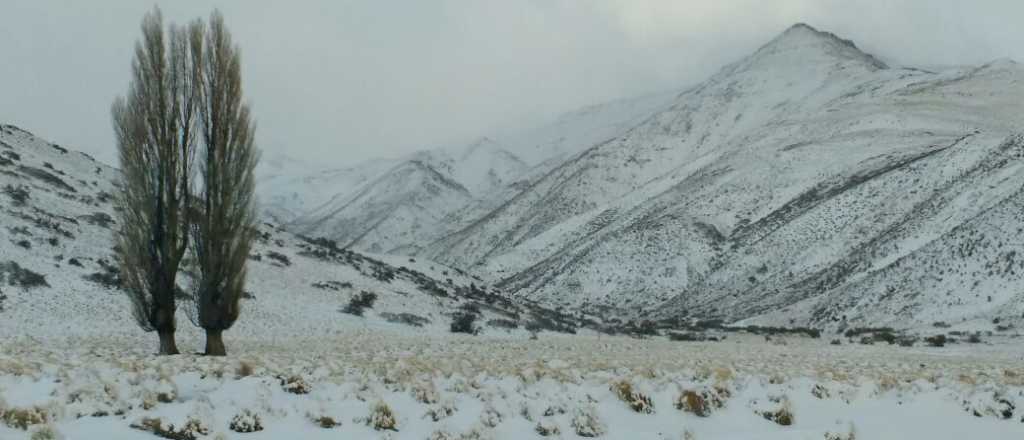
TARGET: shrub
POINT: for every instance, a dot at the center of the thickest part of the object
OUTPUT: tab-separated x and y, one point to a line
21	277
636	400
503	323
295	385
46	432
382	418
47	177
325	422
192	430
332	285
405	318
936	341
547	428
100	219
464	320
702	403
244	369
111	280
280	259
360	302
782	416
974	338
17	194
246	421
22	418
587	424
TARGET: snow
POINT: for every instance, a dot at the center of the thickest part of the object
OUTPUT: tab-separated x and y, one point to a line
504	389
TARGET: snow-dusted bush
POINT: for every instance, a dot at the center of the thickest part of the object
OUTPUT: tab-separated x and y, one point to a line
164	392
586	423
382	418
490	417
849	435
324	421
936	341
782	414
246	421
702	402
425	392
464	320
360	302
46	432
547	427
192	430
405	318
15	275
636	400
295	385
441	410
22	418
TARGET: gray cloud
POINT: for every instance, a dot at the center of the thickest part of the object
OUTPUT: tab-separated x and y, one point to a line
343	81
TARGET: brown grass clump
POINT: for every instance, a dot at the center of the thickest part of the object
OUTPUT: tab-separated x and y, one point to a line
244	369
703	403
382	418
295	385
46	432
636	400
22	418
325	422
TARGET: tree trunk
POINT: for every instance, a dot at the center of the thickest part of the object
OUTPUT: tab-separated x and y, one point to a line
167	344
214	343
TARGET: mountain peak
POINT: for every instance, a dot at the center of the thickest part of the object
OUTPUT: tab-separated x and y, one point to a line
804	43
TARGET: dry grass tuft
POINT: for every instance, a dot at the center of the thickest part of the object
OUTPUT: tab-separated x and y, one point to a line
636	400
245	369
325	422
382	418
295	385
704	402
46	432
22	418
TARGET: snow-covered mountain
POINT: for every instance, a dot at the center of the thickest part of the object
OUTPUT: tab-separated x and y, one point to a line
58	275
806	183
402	204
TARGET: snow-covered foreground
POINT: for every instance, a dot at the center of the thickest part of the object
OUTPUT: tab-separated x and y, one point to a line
467	388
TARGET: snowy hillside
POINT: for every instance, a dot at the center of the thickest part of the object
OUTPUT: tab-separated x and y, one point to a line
403	204
57	274
808	183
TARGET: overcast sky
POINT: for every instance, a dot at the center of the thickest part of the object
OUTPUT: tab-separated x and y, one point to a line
341	81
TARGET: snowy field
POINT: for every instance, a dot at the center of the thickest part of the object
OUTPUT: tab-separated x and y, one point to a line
385	384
